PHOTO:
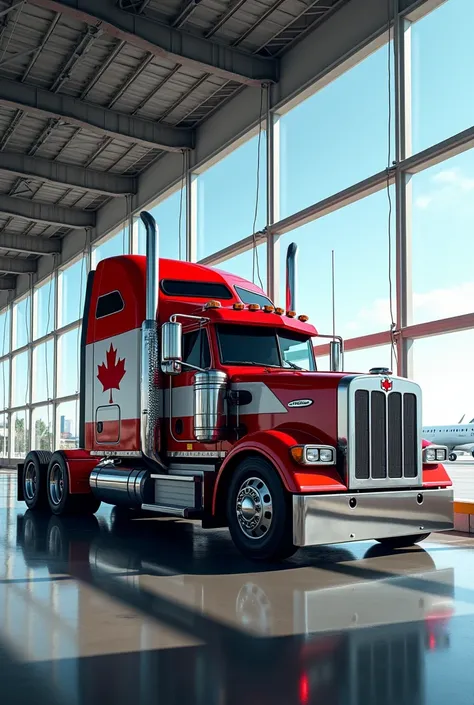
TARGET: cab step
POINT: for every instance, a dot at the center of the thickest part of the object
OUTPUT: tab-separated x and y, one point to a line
178	495
186	512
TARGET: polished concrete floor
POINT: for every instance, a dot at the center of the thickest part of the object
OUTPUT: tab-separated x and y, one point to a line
113	611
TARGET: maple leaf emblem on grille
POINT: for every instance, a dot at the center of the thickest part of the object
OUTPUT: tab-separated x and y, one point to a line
111	373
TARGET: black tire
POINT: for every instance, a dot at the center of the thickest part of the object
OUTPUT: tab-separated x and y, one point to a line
274	532
403	541
452	457
33	479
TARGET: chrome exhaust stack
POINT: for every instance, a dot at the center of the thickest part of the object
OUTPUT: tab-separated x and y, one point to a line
150	370
290	300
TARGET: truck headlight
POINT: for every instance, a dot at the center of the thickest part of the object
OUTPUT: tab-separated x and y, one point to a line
435	454
314	455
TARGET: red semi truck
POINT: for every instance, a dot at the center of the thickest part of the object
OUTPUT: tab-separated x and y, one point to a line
200	399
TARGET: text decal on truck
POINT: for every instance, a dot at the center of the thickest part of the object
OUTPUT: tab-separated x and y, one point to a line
300	402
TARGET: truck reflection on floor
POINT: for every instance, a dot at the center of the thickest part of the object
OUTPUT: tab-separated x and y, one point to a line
261	637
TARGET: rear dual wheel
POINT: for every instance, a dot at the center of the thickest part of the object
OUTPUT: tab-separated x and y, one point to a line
57	490
46	483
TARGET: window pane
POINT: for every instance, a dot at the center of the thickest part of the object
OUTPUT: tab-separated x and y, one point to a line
116	245
67	415
42	424
248	266
4	444
21	379
338	136
21	323
446	397
442	100
20	429
366	358
43	371
170	216
43	311
68	363
5	384
5	318
443	222
227	194
358	234
72	284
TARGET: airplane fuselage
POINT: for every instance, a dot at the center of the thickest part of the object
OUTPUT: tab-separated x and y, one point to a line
455	436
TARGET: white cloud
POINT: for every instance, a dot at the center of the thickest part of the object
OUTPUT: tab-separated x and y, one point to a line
446	186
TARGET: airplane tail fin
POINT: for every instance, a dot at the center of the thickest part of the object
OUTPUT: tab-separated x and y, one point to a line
461	419
471	421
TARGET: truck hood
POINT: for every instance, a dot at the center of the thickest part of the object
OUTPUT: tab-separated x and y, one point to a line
289	399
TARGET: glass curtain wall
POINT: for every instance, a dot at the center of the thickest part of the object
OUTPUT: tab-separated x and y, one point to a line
378	180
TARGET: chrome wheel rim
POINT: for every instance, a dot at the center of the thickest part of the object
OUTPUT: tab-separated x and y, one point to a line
56	484
254	508
31	480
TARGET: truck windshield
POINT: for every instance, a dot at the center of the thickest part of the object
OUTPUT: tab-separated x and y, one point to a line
268	347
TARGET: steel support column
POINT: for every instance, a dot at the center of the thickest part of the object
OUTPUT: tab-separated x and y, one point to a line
191	211
404	296
273	246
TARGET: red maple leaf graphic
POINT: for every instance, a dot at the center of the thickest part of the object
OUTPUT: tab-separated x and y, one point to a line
112	372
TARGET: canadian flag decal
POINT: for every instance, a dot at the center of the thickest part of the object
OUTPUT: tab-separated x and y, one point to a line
111	373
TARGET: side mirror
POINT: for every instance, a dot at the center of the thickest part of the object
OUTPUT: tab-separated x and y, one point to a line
171	348
335	356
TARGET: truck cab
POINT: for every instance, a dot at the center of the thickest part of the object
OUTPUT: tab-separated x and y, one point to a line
201	399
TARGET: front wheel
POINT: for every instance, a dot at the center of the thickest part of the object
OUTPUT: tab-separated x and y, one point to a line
452	457
403	541
259	512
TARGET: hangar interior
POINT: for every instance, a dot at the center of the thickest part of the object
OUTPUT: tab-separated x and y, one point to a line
243	126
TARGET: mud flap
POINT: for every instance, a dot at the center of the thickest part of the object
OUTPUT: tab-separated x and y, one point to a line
19	489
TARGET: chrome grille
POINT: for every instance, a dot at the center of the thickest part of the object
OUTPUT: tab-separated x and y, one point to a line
380	432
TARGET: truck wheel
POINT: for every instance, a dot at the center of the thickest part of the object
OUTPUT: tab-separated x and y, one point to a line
259	512
34	478
57	488
402	541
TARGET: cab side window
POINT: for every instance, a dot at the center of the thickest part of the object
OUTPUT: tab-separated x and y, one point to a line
196	348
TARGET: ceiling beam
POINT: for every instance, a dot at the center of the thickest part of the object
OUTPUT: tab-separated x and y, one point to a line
37	101
15	265
29	245
7	283
46	213
63	174
167	42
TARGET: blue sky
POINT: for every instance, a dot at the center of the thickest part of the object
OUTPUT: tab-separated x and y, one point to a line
335	138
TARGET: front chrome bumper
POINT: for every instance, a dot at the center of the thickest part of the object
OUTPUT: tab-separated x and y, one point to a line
325	519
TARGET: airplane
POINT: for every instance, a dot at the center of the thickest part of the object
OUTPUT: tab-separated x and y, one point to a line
457	437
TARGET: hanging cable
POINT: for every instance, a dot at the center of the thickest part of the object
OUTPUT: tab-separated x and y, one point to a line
255	262
393	351
180	217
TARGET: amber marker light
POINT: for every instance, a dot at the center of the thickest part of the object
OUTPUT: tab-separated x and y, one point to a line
303	318
291	314
254	307
269	309
238	307
212	304
280	311
297	453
